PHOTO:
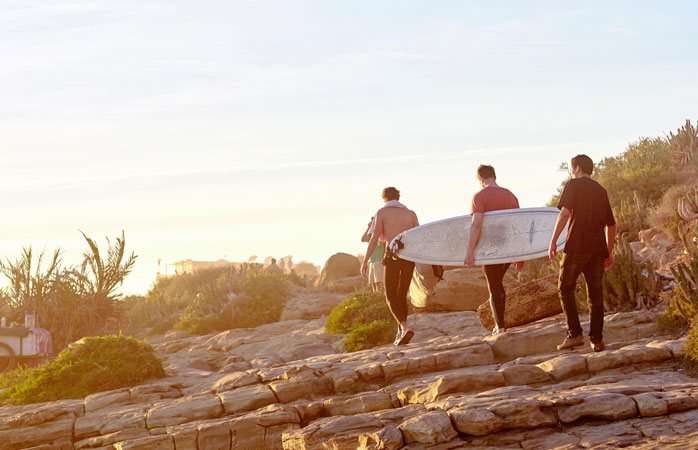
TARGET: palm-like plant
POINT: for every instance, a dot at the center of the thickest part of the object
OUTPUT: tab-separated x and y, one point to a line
29	282
71	302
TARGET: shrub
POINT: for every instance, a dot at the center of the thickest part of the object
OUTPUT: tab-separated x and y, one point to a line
671	321
666	214
685	299
363	336
629	285
636	181
85	367
538	268
691	348
212	300
70	302
263	301
357	309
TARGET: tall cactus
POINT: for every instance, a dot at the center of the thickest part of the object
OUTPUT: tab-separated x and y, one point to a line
686	276
629	285
685	144
688	205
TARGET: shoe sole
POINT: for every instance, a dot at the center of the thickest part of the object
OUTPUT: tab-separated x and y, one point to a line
570	347
406	338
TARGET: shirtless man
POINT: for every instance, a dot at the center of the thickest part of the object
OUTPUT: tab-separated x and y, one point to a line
391	220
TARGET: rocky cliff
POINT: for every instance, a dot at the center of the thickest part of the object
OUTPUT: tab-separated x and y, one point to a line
286	386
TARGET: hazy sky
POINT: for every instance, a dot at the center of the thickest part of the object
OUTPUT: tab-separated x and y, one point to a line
216	129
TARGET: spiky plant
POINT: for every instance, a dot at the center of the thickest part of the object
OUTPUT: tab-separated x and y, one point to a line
71	302
688	206
685	145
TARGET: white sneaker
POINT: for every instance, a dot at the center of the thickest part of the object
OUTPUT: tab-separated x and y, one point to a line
496	330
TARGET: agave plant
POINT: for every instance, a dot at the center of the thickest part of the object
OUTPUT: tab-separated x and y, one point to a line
685	144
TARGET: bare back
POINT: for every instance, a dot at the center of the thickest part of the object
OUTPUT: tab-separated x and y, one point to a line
392	221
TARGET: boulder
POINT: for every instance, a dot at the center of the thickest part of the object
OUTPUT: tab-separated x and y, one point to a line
310	306
347	285
527	303
339	265
433	427
462	289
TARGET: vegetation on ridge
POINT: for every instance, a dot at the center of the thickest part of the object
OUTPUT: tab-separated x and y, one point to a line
70	302
88	366
212	300
365	318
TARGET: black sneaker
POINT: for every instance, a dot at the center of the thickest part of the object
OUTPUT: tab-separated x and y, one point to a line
406	337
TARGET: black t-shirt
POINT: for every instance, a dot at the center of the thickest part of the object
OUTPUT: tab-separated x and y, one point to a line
591	213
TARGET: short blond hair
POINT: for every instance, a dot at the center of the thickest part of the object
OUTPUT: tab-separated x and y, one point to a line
390	193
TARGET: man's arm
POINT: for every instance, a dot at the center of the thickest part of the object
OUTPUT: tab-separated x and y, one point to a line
367	234
473	239
373	243
562	219
610	242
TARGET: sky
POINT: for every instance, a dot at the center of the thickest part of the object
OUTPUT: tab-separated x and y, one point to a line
225	129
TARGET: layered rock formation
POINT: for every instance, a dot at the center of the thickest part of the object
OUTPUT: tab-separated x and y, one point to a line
450	388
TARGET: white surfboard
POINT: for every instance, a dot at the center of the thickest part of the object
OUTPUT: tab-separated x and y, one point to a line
507	236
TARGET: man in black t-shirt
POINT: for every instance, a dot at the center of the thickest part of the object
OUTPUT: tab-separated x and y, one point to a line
588	250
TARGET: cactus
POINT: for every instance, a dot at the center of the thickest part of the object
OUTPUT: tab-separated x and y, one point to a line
688	205
686	275
685	144
631	215
625	285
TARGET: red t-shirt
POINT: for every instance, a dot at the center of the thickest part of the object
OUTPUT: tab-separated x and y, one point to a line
493	198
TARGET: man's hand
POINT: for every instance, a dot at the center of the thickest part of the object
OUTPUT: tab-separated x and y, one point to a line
364	268
519	265
470	260
552	251
608	263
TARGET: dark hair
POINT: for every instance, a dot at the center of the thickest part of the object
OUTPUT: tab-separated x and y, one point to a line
390	193
484	172
583	162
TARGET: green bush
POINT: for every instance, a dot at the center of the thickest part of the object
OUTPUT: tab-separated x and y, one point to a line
685	299
538	268
200	303
625	286
90	365
671	321
359	308
263	301
365	317
691	348
378	332
636	181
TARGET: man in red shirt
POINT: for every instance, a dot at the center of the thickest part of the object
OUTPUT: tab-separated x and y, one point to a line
491	197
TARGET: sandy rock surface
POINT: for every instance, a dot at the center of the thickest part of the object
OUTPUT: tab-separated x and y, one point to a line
286	386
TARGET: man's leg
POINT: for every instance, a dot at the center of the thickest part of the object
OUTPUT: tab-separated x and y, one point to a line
494	274
570	268
392	283
406	272
378	269
593	273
